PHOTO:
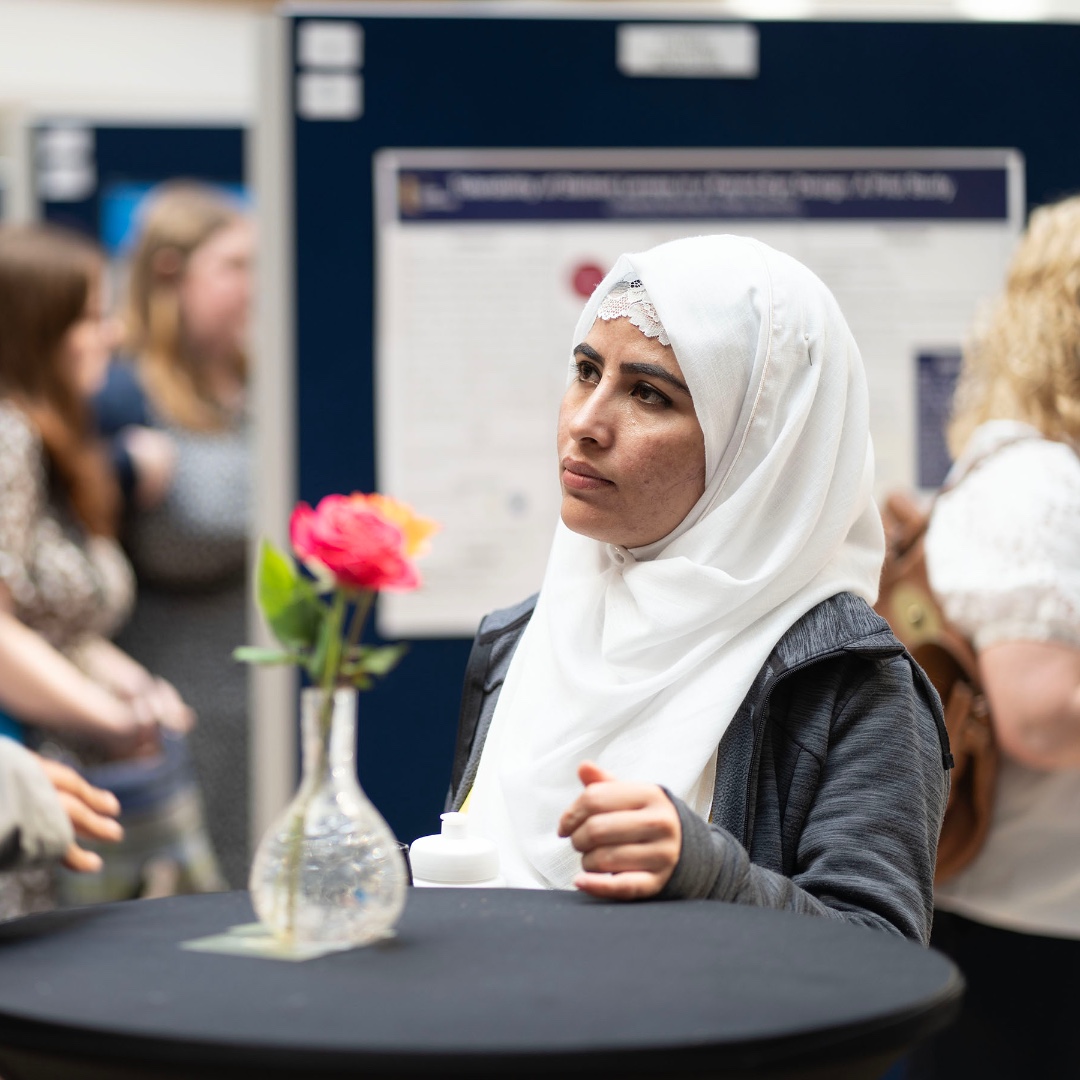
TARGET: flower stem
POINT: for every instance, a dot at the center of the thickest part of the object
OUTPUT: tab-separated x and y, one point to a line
361	610
336	619
295	843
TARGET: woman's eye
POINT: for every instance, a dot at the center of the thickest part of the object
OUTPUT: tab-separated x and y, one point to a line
587	372
650	395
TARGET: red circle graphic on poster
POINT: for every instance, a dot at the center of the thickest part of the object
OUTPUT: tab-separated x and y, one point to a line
586	277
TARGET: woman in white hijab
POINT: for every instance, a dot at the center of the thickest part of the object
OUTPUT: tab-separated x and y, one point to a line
700	702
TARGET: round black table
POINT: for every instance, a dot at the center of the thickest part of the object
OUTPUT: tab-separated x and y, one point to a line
476	982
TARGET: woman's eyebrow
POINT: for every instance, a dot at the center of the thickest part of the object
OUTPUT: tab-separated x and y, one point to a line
589	352
654	371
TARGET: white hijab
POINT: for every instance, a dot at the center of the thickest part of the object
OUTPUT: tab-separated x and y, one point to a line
639	659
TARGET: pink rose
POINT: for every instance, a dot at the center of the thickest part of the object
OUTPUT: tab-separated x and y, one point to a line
360	548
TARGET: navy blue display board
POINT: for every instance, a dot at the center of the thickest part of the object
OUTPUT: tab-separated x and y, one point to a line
473	80
120	162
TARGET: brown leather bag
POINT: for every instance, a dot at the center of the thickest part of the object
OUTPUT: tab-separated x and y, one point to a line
947	657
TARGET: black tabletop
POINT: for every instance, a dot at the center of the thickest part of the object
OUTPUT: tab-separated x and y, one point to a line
476	981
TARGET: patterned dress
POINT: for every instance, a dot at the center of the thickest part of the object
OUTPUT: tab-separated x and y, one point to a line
64	583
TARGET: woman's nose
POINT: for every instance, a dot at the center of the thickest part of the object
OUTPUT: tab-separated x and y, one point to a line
592	417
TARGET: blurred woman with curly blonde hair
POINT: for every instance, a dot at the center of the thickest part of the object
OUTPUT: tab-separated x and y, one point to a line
1003	552
1024	360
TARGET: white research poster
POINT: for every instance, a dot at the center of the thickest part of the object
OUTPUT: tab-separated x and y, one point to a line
485	258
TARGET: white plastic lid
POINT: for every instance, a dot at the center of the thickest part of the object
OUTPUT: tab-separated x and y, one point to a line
455	856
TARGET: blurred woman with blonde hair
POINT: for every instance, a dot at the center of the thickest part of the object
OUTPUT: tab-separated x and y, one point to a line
188	301
175	406
1003	553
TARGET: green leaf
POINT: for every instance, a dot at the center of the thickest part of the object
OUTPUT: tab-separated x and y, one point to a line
298	625
287	599
276	577
380	661
253	654
364	661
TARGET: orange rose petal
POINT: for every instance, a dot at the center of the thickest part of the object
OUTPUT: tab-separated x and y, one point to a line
415	529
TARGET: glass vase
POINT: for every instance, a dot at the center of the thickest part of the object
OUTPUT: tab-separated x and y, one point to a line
329	872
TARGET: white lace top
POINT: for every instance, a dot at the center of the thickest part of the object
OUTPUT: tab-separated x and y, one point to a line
1003	553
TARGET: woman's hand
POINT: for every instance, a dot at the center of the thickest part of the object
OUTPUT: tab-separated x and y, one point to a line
92	811
151	699
110	667
153	457
629	836
119	729
159	702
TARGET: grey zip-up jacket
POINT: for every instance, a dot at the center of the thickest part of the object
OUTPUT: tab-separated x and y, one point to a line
831	779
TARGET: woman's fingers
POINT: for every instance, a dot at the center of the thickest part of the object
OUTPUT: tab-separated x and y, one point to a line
629	835
67	781
623	858
170	709
591	773
81	860
91	825
87	822
160	704
91	810
628	885
131	680
622	827
143	714
604	797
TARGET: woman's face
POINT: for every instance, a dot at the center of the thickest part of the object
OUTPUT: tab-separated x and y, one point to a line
631	452
215	290
87	346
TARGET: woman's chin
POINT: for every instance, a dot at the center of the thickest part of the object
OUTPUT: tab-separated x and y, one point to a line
585	521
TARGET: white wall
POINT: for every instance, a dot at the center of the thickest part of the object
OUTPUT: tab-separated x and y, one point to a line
126	59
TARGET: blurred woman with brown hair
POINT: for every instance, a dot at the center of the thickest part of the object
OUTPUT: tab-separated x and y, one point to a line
65	585
175	406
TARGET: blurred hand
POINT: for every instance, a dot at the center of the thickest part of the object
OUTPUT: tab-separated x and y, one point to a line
120	729
92	812
114	669
153	455
159	702
629	836
147	701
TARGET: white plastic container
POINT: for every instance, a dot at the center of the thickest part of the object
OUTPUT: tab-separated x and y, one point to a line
455	857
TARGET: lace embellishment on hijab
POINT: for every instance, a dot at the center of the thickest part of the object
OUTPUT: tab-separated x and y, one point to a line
629	300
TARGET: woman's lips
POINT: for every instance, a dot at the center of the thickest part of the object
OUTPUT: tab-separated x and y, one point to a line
581	477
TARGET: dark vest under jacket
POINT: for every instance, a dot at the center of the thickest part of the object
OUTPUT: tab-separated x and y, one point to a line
831	779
